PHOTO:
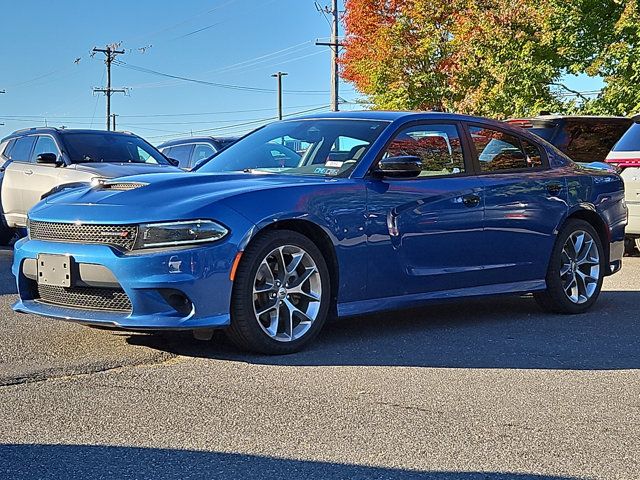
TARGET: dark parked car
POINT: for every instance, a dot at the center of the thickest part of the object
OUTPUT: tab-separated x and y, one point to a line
419	207
191	151
585	139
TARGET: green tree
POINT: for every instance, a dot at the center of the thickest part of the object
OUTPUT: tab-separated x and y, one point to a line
493	57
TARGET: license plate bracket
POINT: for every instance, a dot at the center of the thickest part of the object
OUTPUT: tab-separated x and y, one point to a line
54	270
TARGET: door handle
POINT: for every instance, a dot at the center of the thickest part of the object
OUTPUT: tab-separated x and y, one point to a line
554	188
471	200
28	172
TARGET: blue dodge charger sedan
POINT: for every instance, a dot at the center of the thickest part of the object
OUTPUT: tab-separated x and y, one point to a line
384	210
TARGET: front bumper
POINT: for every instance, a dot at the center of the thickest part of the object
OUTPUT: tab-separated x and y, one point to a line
200	273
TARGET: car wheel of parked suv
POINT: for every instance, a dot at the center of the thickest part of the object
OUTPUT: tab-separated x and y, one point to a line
576	270
6	233
281	294
631	246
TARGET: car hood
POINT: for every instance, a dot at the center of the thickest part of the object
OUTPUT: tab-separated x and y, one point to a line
160	197
114	170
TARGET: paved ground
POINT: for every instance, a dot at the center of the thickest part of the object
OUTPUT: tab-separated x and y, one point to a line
487	389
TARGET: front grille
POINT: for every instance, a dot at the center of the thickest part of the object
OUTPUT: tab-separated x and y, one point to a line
123	236
86	298
122	186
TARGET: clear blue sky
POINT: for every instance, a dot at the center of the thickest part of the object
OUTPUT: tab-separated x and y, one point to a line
236	42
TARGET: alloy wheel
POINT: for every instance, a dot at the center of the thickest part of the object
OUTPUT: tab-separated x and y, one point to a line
580	270
287	291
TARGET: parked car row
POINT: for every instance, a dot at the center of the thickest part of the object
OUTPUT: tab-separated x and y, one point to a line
345	214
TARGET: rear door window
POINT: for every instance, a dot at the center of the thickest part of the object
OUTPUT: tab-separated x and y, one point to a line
182	153
21	151
533	153
497	151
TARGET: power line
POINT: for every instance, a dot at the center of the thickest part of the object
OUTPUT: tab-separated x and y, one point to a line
244	88
154	115
254	122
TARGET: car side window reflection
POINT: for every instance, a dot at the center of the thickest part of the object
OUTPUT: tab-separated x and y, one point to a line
200	152
534	154
498	151
437	146
44	144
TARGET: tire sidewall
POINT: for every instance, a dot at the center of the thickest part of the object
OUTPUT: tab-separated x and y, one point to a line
554	283
242	307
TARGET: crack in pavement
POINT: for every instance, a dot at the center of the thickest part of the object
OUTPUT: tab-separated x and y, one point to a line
83	370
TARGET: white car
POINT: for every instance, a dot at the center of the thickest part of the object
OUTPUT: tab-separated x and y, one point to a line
39	161
626	155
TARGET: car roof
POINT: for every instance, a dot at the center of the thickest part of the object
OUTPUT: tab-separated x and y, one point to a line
60	131
180	141
609	118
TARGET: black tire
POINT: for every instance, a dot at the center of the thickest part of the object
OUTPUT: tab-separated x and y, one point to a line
6	233
554	299
631	246
244	331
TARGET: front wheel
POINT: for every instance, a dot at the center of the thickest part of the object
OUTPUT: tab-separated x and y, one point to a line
576	270
281	294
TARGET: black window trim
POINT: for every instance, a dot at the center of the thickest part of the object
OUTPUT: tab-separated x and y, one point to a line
464	144
476	159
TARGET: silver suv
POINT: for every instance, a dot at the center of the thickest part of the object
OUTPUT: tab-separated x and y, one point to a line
38	161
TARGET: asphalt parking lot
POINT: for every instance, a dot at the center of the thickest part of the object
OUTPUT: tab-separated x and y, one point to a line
485	389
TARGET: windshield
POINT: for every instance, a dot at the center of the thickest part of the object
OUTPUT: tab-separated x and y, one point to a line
106	147
301	147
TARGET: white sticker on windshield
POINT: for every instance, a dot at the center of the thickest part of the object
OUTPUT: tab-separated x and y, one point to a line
333	164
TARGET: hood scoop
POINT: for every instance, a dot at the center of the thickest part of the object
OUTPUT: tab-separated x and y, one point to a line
121	186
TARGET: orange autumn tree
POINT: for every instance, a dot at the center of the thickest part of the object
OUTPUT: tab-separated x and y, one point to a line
486	57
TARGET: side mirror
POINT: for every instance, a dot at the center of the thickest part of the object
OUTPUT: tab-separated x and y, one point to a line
407	166
173	161
49	158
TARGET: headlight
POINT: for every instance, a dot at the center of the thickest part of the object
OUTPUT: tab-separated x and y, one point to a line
167	234
98	181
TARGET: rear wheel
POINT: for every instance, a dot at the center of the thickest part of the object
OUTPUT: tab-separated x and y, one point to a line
281	294
576	270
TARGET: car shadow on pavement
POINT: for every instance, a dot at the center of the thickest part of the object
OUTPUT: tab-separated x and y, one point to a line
500	332
70	462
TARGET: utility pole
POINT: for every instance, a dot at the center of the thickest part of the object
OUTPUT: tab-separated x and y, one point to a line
113	116
279	76
110	53
335	50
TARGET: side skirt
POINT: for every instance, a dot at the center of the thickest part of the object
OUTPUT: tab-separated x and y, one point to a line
405	301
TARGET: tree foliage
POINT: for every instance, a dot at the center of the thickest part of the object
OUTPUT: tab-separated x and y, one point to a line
493	57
